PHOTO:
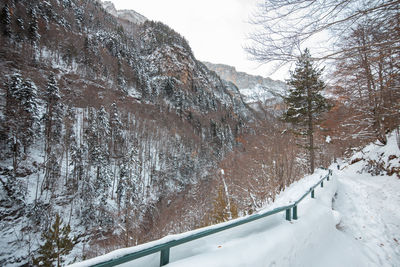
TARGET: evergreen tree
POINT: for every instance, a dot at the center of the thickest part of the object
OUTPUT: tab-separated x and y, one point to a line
5	21
14	86
104	173
116	132
30	112
53	128
57	244
33	30
54	112
69	138
122	181
22	115
304	102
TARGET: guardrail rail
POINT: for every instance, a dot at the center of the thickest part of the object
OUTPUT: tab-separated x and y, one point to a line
164	248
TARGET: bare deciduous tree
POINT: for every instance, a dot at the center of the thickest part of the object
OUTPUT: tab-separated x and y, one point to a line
282	26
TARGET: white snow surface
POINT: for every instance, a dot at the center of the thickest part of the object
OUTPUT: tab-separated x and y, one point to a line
369	205
362	229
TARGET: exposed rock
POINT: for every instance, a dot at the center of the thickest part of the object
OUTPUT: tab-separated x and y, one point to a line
129	15
253	88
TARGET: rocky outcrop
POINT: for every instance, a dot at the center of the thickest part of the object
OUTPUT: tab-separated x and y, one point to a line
129	15
253	88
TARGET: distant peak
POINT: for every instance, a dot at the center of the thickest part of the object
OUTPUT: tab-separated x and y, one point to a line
126	14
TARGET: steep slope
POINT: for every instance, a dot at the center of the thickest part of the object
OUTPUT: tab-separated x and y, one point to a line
123	122
353	220
129	15
254	89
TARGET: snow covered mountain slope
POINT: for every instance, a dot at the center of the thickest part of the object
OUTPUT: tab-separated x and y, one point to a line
363	229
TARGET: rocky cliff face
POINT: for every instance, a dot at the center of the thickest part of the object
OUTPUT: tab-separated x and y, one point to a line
129	15
254	89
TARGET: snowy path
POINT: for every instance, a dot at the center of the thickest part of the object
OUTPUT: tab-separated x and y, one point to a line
370	210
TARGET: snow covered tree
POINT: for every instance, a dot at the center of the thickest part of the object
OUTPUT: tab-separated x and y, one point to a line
122	181
53	129
22	115
54	112
69	138
103	177
304	102
33	30
30	112
116	131
5	20
57	244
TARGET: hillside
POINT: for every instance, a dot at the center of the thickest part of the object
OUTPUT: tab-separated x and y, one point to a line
112	124
352	221
113	134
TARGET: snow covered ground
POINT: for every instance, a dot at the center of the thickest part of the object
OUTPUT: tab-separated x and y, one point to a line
362	229
370	205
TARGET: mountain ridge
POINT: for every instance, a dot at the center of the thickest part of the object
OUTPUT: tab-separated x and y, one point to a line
129	15
254	88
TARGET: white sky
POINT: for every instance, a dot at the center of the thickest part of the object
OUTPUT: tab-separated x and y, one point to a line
216	29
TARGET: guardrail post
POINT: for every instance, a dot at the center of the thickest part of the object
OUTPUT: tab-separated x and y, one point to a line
327	178
295	213
322	184
288	217
164	257
312	194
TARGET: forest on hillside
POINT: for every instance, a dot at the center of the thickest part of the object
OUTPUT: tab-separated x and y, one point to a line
113	131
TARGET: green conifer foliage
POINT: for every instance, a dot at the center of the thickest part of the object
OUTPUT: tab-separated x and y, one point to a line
57	244
304	102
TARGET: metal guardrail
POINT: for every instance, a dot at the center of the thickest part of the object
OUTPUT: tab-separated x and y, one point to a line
291	212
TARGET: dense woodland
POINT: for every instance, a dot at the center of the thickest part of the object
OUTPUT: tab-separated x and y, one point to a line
115	133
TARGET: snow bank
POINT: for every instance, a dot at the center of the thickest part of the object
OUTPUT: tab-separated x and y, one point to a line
369	204
379	159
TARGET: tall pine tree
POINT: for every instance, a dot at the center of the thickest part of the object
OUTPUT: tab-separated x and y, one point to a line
22	115
305	104
53	129
5	20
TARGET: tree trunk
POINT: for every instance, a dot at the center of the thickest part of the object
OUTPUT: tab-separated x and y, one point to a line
310	131
311	145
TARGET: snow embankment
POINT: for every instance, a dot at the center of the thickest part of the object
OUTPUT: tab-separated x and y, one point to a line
312	240
368	199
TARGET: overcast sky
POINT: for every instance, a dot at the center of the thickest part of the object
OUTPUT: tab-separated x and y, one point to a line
216	29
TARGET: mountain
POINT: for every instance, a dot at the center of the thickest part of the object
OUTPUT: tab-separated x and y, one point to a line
254	89
111	124
129	15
